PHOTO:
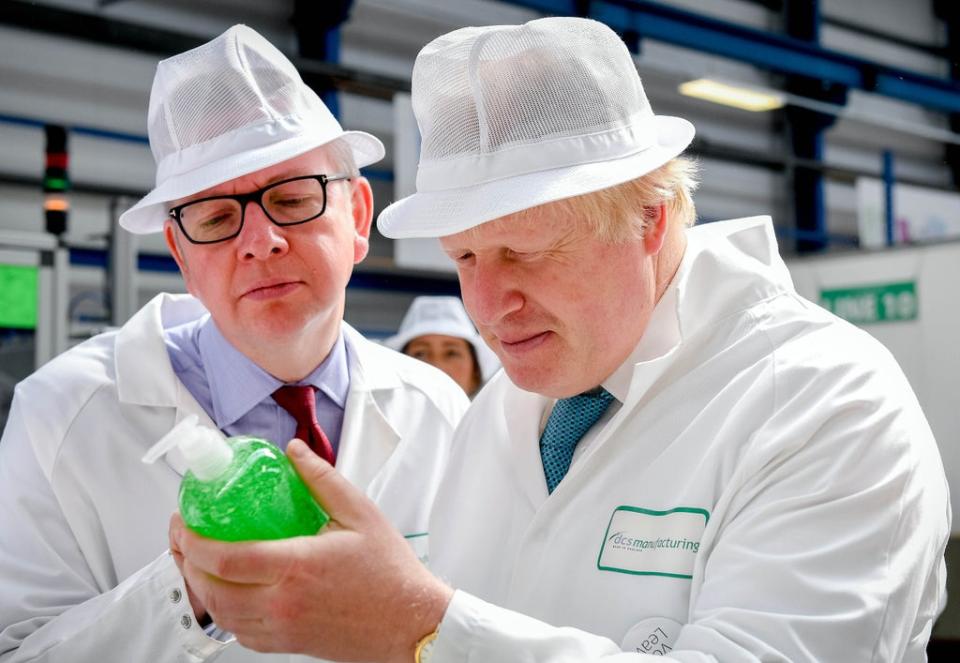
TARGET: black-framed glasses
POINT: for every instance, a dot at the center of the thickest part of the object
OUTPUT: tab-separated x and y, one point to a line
286	203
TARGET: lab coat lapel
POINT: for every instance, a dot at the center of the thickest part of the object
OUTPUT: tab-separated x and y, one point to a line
146	378
367	440
645	376
523	411
368	437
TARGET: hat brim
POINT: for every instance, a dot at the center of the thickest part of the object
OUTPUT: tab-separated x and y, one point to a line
149	214
489	364
441	213
399	341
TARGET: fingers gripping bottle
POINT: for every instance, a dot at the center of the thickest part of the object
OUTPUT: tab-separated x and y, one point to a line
239	488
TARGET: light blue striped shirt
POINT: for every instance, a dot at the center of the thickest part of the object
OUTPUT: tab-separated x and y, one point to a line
236	392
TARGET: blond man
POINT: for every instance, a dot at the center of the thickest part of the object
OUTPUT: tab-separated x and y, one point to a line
682	459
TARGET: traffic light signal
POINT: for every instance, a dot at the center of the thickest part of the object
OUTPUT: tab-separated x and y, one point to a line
56	182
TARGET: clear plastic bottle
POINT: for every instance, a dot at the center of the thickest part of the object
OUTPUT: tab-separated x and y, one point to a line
240	488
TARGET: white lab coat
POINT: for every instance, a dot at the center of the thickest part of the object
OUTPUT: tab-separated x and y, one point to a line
83	523
769	490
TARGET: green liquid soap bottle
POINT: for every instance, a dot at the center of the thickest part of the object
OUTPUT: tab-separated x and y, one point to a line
239	488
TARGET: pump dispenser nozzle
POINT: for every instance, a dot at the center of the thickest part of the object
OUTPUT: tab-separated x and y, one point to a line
241	488
205	451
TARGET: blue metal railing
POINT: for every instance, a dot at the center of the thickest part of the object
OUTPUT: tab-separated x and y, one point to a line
767	50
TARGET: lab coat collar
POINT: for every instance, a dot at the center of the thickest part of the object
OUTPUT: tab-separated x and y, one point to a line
141	340
376	375
368	437
146	378
740	255
660	338
225	366
144	373
727	266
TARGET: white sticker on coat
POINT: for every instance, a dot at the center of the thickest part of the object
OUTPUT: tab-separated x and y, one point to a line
655	636
647	542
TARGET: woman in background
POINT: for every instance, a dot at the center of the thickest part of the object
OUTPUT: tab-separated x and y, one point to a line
437	330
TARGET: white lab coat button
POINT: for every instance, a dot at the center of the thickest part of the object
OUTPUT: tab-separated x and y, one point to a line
175	596
186	622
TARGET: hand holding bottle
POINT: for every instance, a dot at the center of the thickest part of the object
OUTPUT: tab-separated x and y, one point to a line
240	488
358	592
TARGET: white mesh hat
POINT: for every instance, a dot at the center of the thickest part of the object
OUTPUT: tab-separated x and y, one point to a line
445	316
515	116
228	108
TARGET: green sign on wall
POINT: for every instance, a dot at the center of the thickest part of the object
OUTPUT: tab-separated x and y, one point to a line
890	302
18	296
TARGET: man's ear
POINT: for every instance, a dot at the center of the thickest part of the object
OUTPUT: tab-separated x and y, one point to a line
362	203
656	230
173	243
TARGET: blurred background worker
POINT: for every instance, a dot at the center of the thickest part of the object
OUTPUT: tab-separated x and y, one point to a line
438	331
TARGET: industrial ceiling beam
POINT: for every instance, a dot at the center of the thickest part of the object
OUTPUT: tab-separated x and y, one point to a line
105	31
766	50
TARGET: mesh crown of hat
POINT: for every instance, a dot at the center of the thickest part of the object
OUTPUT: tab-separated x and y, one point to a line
234	81
484	90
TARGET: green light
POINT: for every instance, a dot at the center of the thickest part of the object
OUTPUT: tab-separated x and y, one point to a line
18	296
55	183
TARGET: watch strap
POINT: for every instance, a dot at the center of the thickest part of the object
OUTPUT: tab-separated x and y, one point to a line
424	647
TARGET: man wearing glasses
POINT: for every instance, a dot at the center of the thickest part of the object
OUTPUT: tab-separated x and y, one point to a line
261	203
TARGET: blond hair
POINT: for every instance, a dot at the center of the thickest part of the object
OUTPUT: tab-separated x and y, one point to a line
621	213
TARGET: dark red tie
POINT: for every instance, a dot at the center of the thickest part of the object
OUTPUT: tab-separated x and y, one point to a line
301	402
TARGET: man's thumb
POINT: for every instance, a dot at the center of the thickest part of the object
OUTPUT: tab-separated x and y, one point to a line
338	497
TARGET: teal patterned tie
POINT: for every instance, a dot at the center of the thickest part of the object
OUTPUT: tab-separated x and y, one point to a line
570	420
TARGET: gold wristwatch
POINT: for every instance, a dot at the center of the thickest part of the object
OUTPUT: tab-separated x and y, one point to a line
424	647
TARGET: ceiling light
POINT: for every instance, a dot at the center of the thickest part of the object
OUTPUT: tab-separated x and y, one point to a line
745	98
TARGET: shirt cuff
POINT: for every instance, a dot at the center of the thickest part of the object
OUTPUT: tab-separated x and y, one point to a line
217	633
474	630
